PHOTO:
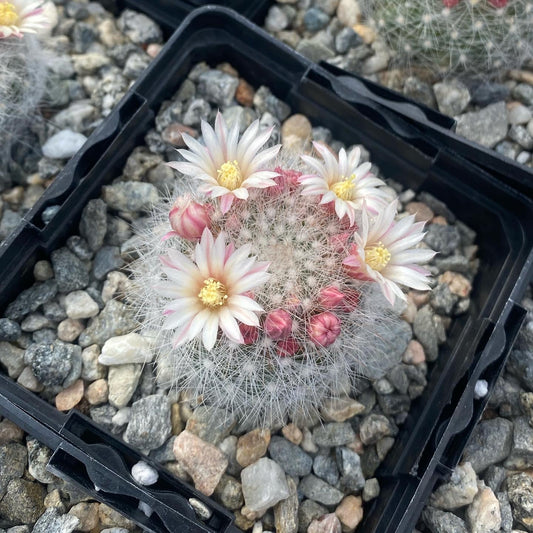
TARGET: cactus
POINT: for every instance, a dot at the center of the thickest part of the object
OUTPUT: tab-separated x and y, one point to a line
478	36
273	335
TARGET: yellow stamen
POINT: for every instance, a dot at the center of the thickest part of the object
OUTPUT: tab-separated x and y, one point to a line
377	256
229	175
8	14
213	293
344	188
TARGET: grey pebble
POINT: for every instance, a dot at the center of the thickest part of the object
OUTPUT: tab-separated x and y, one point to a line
218	87
315	19
9	330
520	135
489	444
452	97
443	522
294	461
51	521
489	93
425	331
30	299
307	512
149	426
374	427
333	434
318	490
55	364
79	246
106	260
139	28
114	320
69	271
93	223
325	467
351	475
130	196
265	101
524	93
442	239
487	126
13	458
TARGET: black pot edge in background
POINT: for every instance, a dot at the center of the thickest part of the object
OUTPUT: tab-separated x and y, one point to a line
439	423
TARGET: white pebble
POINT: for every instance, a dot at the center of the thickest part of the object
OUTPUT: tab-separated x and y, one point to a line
146	509
144	474
63	145
481	389
130	348
79	304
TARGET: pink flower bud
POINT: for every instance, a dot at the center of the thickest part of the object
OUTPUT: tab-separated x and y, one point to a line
287	347
498	3
450	3
249	333
189	218
330	297
351	301
278	324
324	328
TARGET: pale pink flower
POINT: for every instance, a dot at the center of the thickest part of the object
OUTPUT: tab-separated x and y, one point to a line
278	324
343	181
227	166
324	328
384	252
18	17
188	218
330	297
209	292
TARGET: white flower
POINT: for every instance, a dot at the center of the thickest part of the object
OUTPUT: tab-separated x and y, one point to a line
383	252
18	17
343	181
228	167
210	292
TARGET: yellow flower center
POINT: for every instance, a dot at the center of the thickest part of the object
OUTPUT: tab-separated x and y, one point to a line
344	188
8	14
377	256
213	293
229	175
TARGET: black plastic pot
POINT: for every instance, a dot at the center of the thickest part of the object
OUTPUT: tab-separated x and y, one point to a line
438	426
169	14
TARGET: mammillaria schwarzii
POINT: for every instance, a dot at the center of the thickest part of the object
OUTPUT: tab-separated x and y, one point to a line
484	36
269	285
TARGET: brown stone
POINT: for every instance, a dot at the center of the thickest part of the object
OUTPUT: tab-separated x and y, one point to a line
69	329
341	409
292	433
440	220
457	283
421	211
350	513
87	513
111	518
9	432
97	392
252	446
414	354
204	462
70	397
328	523
245	93
28	380
419	298
297	125
175	419
173	134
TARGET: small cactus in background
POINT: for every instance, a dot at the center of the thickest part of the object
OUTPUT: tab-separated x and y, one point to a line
477	36
23	66
266	297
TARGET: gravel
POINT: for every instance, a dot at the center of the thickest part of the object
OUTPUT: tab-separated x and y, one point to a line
333	459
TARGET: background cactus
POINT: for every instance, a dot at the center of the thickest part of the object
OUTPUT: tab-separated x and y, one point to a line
479	36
